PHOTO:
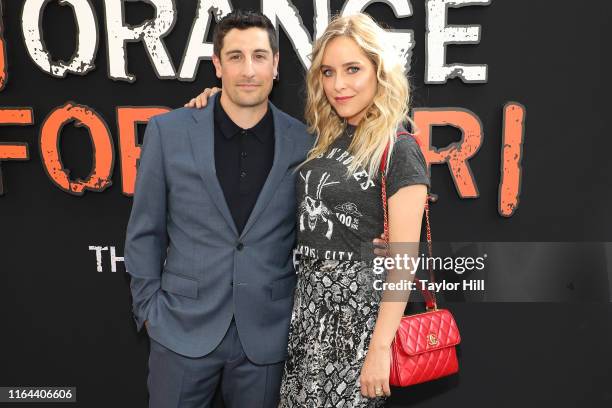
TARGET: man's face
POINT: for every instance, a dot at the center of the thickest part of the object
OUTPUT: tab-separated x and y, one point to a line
246	66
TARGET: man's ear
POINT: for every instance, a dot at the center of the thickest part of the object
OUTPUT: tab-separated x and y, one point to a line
217	63
275	63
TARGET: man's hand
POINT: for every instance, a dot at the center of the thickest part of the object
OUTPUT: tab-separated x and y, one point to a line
201	100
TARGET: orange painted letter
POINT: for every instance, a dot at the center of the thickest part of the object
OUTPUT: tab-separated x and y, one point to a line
14	151
100	177
511	155
3	71
127	119
455	154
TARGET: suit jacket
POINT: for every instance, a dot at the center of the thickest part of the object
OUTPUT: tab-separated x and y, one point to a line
190	269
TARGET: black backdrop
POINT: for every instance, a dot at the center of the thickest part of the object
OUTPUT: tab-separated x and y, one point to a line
64	323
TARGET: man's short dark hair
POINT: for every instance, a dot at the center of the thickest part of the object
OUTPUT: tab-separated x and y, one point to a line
242	20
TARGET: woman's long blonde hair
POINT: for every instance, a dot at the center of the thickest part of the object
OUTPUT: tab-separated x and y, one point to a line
388	108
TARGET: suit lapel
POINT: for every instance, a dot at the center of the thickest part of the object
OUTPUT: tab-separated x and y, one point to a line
283	151
202	136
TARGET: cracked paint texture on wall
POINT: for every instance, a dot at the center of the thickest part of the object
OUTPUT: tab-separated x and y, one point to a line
100	177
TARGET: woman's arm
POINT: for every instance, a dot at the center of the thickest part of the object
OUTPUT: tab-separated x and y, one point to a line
405	208
201	100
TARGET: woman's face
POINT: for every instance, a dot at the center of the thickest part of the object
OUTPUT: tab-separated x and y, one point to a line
349	79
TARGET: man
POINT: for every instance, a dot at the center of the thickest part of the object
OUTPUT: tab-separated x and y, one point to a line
212	228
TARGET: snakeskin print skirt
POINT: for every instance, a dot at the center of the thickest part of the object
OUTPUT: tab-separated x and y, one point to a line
334	314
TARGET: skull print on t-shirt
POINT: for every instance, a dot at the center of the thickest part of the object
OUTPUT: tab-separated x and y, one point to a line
337	214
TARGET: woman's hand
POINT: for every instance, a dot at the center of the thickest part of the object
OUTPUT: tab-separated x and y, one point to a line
201	100
374	378
380	246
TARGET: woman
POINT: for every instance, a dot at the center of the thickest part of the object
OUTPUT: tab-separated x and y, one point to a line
341	332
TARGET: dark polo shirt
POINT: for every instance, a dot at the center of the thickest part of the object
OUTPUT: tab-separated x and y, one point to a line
243	159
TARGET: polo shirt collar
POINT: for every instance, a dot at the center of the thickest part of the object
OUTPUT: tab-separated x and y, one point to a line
262	130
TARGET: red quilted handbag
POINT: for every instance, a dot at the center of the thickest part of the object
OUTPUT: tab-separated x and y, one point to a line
424	347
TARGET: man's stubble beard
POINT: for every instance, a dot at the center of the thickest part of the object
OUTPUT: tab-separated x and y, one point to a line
249	102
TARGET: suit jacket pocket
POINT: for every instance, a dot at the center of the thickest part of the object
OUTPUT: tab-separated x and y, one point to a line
180	285
283	287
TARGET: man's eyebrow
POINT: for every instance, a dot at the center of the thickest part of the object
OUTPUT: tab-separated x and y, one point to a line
346	64
260	50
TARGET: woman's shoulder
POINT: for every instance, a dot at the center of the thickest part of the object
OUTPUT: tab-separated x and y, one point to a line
407	165
405	136
406	144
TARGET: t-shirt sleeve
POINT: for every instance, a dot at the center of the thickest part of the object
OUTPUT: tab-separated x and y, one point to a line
407	166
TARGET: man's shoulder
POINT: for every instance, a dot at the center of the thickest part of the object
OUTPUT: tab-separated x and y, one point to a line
298	129
175	115
288	118
174	123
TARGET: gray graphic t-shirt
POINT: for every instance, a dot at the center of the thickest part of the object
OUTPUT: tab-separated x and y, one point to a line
337	215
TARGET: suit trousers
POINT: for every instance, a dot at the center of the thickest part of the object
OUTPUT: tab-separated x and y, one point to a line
177	381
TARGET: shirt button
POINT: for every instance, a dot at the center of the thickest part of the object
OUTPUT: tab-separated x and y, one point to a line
242	174
239	246
243	154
